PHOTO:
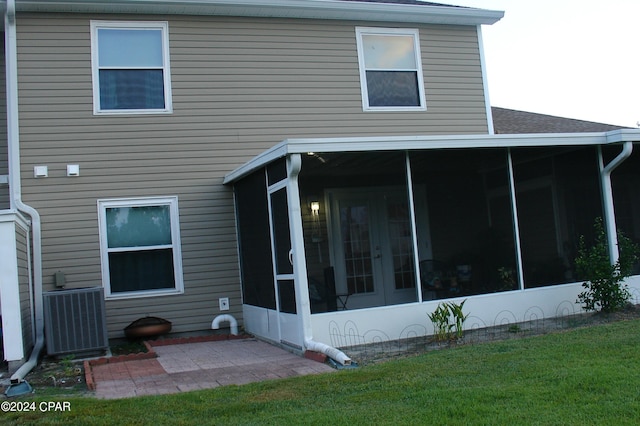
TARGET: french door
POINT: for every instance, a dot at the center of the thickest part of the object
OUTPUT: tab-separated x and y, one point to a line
372	247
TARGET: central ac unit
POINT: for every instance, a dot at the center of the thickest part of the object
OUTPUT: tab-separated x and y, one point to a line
75	321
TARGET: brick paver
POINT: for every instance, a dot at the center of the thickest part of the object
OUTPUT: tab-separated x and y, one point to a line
204	365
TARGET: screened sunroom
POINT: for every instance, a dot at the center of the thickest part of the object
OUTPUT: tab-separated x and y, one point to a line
354	240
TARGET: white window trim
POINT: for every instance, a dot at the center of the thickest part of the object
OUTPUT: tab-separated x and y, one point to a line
164	26
360	31
172	202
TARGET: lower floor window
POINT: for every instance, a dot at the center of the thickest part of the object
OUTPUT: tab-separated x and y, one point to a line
140	246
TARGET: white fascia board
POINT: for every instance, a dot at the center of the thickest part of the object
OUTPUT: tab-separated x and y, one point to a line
256	162
409	143
309	9
401	143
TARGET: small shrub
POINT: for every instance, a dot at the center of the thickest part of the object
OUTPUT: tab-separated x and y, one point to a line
448	320
459	317
440	320
605	289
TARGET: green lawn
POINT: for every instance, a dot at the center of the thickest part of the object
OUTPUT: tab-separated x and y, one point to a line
584	376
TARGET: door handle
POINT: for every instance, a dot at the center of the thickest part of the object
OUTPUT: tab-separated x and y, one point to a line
377	255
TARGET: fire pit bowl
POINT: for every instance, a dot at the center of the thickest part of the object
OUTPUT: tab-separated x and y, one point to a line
147	327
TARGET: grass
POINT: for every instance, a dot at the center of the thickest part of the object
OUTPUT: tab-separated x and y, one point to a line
584	376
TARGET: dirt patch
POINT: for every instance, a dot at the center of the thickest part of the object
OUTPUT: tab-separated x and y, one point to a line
66	375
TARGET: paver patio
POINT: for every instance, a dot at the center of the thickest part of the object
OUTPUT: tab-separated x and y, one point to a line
202	365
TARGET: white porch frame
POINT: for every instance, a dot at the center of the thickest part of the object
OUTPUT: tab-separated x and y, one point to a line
343	328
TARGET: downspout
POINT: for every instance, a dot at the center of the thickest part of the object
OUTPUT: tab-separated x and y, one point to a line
294	164
13	142
331	352
485	82
607	198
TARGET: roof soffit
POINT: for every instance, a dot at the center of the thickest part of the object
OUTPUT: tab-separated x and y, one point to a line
308	9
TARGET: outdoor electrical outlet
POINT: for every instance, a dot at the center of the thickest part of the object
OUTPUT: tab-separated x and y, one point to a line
224	303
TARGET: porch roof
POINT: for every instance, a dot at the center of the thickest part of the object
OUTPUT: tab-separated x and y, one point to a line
408	143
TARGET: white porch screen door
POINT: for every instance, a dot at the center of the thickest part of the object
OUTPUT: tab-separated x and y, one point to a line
288	321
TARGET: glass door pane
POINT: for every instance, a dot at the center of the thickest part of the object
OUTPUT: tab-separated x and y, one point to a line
401	243
356	241
281	235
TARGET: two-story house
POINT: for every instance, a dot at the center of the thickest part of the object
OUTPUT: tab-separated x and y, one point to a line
325	169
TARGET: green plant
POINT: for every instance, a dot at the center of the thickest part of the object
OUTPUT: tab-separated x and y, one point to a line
604	285
67	364
440	320
447	319
507	278
458	316
514	328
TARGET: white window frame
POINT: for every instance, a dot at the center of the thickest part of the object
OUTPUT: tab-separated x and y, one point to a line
166	72
172	202
360	31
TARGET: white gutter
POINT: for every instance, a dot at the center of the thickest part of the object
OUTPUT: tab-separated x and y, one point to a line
13	137
299	9
607	198
422	142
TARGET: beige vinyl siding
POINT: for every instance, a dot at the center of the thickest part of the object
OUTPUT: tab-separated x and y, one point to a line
4	155
239	87
26	305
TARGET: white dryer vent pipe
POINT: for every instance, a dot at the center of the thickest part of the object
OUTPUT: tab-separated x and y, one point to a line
233	323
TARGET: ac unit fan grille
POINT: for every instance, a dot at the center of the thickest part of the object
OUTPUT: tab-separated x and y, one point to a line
75	321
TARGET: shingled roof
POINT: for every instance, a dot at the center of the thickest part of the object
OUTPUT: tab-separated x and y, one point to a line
509	121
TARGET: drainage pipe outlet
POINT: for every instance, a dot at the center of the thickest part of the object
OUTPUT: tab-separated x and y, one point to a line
331	352
233	323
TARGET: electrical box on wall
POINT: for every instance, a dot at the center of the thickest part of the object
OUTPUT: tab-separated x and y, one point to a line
60	279
224	303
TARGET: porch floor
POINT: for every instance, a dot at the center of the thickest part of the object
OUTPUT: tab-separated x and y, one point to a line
203	365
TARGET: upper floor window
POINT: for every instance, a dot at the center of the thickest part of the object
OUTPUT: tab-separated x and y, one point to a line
130	63
390	69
